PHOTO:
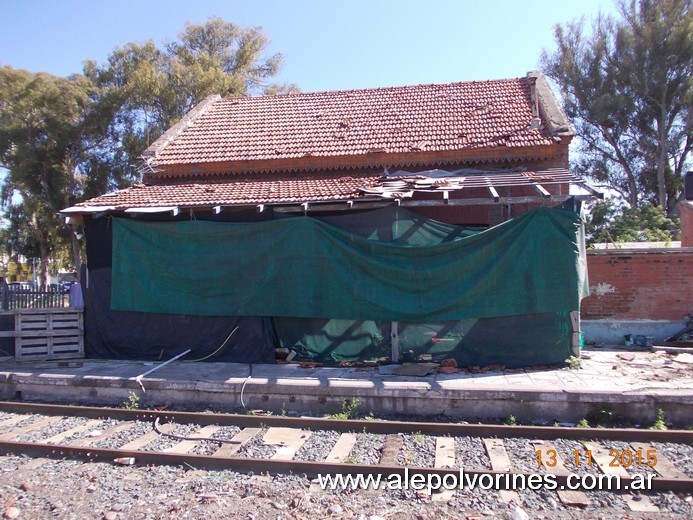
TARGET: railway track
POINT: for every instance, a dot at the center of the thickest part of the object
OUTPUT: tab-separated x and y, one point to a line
272	444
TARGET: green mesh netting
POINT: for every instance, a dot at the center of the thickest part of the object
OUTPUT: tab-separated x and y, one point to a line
511	341
304	267
501	297
333	340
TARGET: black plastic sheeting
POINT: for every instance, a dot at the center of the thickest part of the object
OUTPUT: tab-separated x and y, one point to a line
135	335
6	342
98	233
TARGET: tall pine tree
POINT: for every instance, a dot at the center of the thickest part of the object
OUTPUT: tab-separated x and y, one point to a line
626	85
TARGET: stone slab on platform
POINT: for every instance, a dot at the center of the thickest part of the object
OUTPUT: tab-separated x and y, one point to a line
633	386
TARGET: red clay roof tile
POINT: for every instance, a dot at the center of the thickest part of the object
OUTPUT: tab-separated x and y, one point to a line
430	118
246	146
243	189
252	189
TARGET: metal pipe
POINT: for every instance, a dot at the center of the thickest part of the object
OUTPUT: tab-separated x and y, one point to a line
139	378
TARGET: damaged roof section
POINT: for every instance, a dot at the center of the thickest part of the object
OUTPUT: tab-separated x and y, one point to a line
466	143
402	184
361	128
255	189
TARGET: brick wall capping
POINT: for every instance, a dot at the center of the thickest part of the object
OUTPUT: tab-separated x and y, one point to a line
640	252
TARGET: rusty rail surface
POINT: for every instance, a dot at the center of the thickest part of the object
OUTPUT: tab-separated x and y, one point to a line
312	468
351	425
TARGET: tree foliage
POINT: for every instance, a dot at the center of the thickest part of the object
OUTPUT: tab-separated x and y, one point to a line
66	139
159	85
626	85
609	223
46	126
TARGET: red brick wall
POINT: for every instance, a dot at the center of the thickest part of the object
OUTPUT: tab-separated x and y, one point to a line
639	284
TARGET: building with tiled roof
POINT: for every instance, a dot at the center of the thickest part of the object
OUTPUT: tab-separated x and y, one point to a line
493	143
204	252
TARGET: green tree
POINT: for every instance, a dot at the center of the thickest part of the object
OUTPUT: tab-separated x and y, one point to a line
610	223
626	85
16	237
44	128
159	85
66	139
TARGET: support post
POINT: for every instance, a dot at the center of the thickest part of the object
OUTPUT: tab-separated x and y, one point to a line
394	341
575	341
4	296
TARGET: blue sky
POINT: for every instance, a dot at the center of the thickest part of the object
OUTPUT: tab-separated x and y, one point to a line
328	45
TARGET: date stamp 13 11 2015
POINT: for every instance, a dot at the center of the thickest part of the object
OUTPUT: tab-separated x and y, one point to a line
619	458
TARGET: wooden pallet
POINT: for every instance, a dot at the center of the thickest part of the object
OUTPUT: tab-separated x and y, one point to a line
47	334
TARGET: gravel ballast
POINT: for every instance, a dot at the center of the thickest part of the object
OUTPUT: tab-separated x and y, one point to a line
42	488
76	490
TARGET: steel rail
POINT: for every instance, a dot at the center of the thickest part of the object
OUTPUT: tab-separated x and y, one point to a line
312	469
366	426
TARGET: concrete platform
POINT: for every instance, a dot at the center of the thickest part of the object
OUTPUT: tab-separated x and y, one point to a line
632	384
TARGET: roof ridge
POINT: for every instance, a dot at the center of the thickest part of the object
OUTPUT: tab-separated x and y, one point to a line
374	89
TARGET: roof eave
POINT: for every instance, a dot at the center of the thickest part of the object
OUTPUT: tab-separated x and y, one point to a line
498	155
